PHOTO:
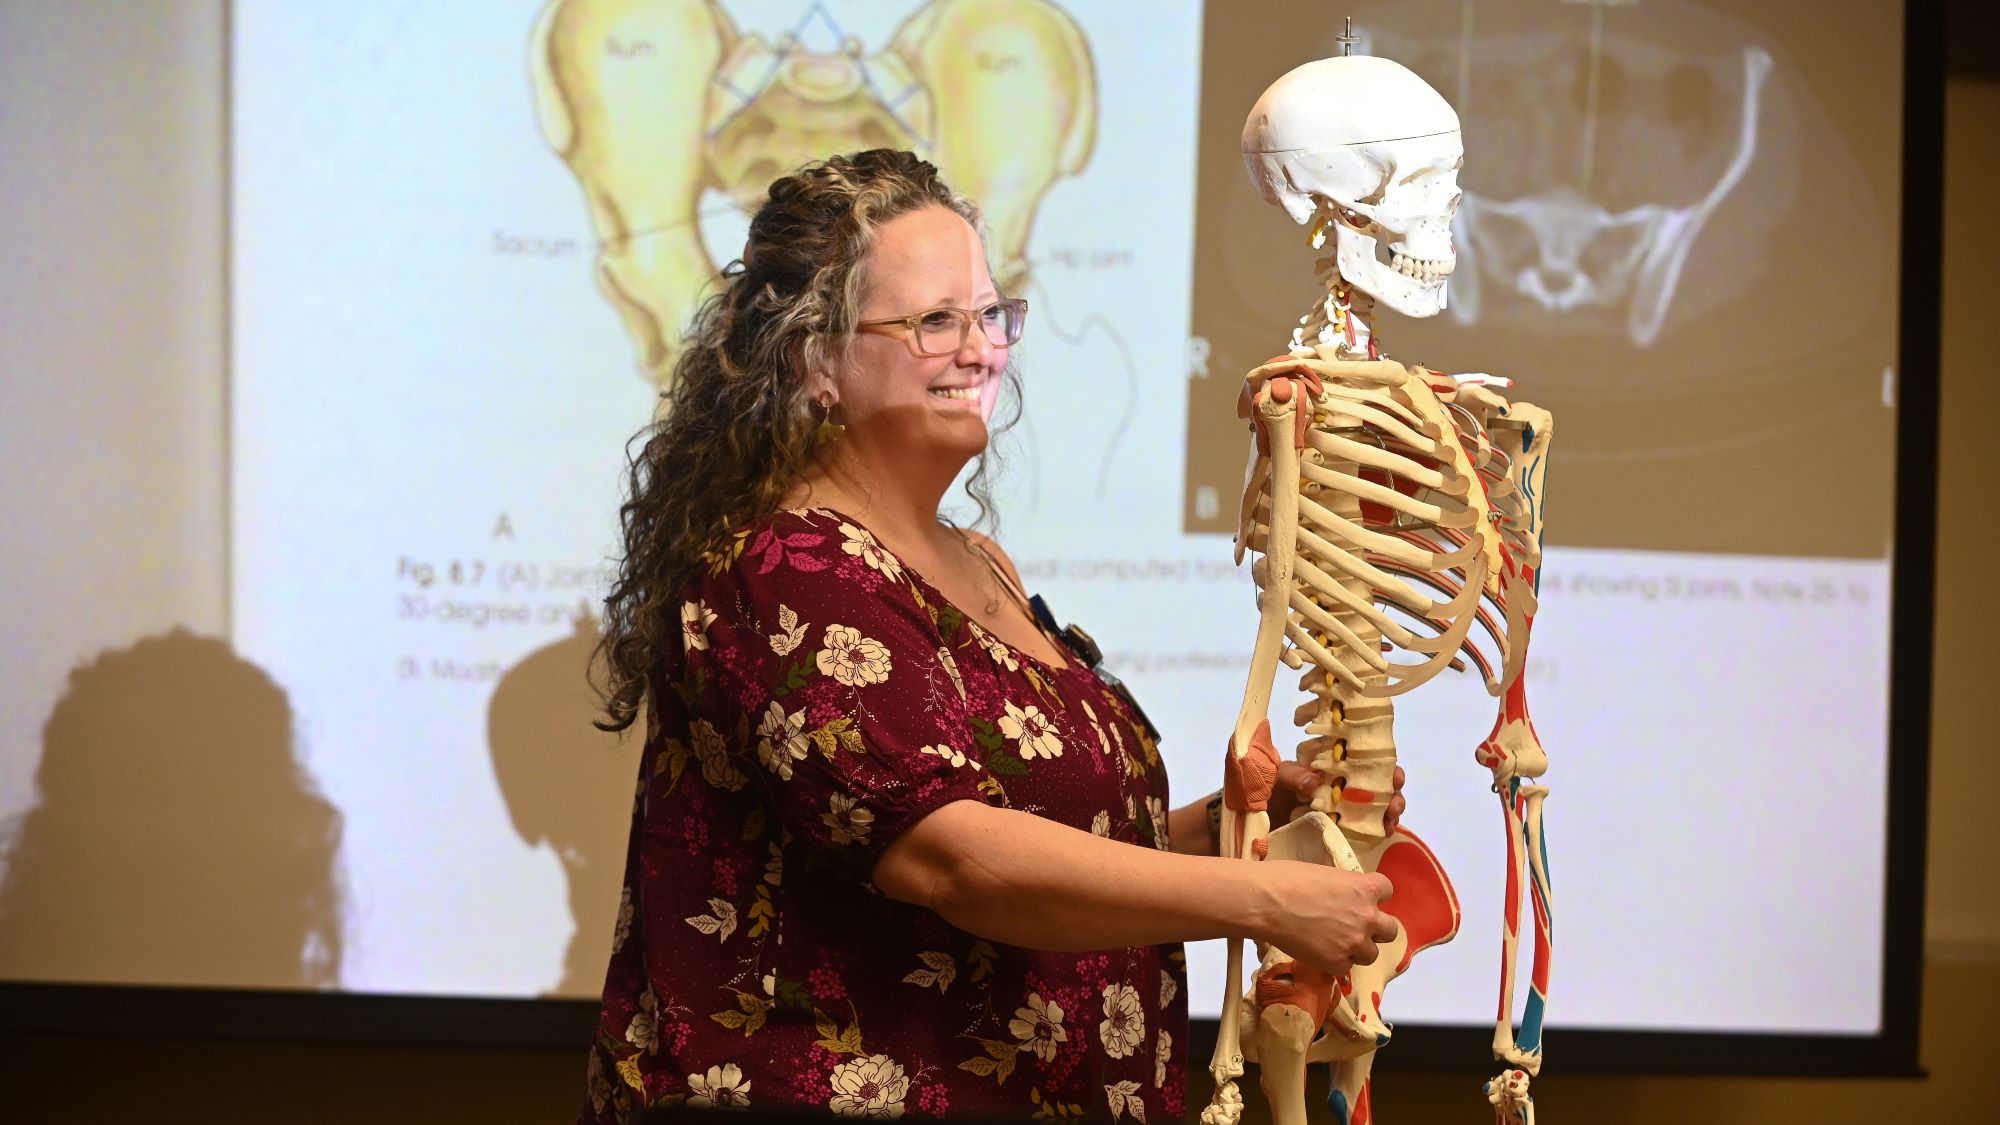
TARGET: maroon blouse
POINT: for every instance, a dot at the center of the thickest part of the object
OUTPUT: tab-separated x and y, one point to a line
830	697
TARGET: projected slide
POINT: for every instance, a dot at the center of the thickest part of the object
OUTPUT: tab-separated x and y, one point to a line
466	239
657	103
1657	239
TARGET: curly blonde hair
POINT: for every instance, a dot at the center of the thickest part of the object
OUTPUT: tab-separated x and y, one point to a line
737	426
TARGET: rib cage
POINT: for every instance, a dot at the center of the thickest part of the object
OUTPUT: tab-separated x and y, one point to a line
1389	520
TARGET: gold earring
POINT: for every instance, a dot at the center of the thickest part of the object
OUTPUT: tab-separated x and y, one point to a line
829	431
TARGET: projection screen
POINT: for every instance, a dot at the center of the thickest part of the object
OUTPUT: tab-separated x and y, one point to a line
462	241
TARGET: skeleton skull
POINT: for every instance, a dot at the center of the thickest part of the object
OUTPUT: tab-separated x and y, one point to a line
1373	152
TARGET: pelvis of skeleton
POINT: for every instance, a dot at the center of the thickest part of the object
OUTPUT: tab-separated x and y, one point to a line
653	103
1341	1018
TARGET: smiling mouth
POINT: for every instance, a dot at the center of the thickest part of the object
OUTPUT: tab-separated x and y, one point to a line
956	394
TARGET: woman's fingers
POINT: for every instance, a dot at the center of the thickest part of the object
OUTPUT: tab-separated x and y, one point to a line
1297	784
1294	791
1397	804
1300	781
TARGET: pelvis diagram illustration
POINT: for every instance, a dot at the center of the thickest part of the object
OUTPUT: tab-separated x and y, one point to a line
1392	508
653	103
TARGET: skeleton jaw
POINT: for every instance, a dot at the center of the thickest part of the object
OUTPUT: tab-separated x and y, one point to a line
1366	267
1390	269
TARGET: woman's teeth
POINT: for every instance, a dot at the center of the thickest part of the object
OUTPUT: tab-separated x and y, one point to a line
962	393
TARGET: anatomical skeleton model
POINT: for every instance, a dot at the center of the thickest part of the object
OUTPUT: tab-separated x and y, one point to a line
1393	508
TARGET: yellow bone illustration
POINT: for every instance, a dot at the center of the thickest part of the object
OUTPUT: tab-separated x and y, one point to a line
652	103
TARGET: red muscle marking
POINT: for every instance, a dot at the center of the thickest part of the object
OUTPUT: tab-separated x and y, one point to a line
1281	384
1261	847
1425	902
1308	989
1540	973
1354	796
1247	779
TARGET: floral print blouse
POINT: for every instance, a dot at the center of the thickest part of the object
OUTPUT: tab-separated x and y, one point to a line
829	697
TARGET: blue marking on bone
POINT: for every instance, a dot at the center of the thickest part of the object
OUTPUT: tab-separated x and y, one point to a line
1548	883
1530	1039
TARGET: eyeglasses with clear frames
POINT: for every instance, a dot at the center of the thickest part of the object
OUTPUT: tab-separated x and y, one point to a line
944	330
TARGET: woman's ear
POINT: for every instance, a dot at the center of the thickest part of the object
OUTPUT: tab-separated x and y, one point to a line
820	385
827	376
819	377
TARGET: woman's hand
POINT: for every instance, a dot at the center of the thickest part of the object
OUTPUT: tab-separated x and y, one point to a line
1297	784
1328	918
1011	876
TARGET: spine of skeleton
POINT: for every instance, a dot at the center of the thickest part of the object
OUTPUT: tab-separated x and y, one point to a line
1350	739
1321	322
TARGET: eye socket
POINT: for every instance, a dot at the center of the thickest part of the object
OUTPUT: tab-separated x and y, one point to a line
938	319
994	313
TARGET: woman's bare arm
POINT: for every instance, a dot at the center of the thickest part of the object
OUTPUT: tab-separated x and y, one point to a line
1187	829
1025	880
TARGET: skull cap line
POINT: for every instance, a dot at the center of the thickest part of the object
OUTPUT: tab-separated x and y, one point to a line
1350	144
1349	100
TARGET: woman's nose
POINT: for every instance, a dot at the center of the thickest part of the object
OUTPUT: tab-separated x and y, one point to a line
978	350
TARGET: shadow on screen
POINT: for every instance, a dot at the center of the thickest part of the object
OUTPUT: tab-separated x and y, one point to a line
569	785
178	839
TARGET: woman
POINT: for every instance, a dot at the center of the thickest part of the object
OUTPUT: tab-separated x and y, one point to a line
896	850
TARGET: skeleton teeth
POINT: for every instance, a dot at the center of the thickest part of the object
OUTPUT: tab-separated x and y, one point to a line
1427	270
